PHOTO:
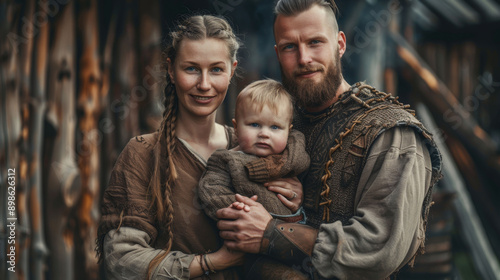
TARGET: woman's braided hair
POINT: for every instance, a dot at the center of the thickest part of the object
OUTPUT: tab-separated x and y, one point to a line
164	173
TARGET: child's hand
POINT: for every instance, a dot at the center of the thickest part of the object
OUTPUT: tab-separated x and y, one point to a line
243	206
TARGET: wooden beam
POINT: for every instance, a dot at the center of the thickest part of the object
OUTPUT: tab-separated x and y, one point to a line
471	228
445	102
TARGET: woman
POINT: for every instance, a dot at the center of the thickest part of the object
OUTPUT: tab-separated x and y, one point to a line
152	223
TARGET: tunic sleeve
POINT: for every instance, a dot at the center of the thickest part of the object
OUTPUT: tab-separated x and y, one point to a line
128	254
387	227
291	162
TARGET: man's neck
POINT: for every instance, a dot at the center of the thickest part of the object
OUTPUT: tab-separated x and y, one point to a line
344	86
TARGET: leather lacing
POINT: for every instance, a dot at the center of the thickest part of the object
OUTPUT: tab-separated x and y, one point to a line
353	94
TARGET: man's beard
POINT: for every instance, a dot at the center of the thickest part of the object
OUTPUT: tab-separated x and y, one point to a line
309	94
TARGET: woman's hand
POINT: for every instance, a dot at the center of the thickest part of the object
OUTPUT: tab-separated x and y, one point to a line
222	259
289	191
225	258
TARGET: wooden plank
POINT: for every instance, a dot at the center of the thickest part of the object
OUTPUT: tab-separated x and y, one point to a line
453	66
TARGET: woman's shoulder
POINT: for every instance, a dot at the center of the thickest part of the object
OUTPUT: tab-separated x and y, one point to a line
138	150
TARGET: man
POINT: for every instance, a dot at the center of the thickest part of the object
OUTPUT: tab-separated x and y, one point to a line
367	192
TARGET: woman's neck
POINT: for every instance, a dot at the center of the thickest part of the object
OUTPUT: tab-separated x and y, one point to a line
204	135
197	130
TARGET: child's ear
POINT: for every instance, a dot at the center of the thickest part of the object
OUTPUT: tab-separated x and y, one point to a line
235	125
291	126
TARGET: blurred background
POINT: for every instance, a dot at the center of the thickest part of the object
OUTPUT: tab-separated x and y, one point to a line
78	79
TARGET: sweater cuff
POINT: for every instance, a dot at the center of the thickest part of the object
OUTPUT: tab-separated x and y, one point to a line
257	171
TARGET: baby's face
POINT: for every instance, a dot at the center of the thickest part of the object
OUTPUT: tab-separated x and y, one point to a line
262	133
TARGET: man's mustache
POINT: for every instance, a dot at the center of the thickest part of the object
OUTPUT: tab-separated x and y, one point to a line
307	70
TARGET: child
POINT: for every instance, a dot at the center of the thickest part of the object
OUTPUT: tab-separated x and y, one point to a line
262	124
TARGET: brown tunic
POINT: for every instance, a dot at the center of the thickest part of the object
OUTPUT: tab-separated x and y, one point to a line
127	192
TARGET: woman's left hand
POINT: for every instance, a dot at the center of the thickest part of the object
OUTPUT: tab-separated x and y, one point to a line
289	191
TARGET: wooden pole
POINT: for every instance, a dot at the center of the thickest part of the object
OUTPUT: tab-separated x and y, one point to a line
25	62
151	76
12	123
39	249
63	188
89	104
124	106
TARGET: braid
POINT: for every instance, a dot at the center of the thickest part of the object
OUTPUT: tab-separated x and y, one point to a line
171	109
164	147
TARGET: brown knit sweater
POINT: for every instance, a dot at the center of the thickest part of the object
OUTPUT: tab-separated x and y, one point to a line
231	172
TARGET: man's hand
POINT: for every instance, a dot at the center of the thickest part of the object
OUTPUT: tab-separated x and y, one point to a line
243	230
288	190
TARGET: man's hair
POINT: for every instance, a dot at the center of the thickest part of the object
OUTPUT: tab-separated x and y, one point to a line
265	92
294	7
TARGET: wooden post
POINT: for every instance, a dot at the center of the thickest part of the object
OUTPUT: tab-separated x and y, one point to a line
11	126
39	249
89	104
106	124
124	77
63	187
151	75
25	61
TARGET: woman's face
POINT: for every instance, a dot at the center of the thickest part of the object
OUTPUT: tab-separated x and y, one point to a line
201	74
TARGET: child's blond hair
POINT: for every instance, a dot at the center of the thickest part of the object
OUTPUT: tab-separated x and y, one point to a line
265	92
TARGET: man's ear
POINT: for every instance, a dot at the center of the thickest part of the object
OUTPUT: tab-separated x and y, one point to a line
291	126
170	70
342	43
276	50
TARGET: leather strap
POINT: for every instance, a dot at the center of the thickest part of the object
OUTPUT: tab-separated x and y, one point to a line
290	243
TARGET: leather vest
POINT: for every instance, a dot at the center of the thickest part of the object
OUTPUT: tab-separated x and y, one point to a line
338	140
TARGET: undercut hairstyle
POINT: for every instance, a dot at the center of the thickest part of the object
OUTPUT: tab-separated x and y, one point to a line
164	173
265	92
295	7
